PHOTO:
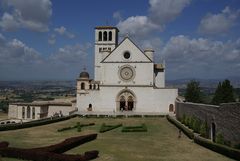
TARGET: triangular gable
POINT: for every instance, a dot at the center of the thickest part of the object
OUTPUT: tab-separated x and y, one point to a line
126	45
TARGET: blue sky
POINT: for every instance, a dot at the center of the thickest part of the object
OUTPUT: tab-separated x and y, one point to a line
54	39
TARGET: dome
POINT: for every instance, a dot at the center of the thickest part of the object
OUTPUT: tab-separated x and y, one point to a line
84	74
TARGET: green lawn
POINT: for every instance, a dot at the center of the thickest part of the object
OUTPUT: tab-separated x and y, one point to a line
160	143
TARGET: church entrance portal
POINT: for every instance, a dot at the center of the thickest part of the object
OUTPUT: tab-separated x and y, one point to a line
126	101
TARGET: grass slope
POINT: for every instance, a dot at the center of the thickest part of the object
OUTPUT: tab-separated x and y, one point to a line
160	143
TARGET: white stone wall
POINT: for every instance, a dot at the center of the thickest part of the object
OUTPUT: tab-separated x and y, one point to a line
143	74
160	79
56	109
148	99
12	111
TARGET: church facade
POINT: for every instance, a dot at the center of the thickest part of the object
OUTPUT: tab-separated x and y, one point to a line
125	78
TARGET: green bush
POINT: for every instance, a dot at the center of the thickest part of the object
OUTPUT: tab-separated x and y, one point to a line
220	139
181	126
140	128
222	149
34	123
183	119
203	129
105	128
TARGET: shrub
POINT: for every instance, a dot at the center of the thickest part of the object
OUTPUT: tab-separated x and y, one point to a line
78	126
105	128
196	125
34	123
227	151
220	139
203	129
179	125
139	128
183	119
53	152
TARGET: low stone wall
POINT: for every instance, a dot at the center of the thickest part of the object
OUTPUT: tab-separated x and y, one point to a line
225	117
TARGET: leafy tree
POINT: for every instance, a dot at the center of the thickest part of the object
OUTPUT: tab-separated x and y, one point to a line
193	93
224	93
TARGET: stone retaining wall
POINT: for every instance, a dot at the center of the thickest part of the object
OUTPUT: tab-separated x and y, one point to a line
225	117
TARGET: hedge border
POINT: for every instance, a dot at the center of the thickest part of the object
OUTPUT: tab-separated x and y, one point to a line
105	128
35	123
222	149
179	125
53	152
139	128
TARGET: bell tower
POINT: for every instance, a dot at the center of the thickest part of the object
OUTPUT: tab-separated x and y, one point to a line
106	40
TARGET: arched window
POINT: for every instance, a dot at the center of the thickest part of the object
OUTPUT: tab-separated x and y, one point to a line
100	36
82	85
105	36
90	86
171	108
110	36
33	113
94	86
23	112
28	111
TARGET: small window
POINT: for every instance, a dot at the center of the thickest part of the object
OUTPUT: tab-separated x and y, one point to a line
28	111
105	36
110	36
82	85
33	113
126	55
90	86
100	49
23	112
109	49
94	86
100	36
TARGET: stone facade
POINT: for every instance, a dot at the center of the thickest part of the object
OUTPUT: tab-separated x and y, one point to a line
223	119
125	78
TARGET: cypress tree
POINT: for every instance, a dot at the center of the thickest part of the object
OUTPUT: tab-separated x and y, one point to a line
193	93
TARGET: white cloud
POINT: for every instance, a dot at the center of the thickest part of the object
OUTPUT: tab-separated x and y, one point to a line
63	31
117	15
219	23
164	11
160	13
19	61
201	57
30	14
136	26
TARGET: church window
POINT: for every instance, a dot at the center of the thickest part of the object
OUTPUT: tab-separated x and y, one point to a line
104	49
126	55
105	36
23	112
109	49
90	86
94	86
28	111
110	36
33	113
100	49
100	36
82	85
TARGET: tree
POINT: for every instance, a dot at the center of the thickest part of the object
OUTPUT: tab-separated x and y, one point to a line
224	93
193	93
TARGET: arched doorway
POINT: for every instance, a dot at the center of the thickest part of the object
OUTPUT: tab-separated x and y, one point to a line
213	132
126	101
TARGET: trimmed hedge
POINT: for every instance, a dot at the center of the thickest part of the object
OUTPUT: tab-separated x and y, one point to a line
222	149
105	128
141	128
179	125
78	126
34	123
53	152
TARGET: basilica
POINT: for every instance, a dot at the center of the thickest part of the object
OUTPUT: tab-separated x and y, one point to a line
125	78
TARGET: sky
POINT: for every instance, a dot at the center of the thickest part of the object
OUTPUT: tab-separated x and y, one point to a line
54	39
